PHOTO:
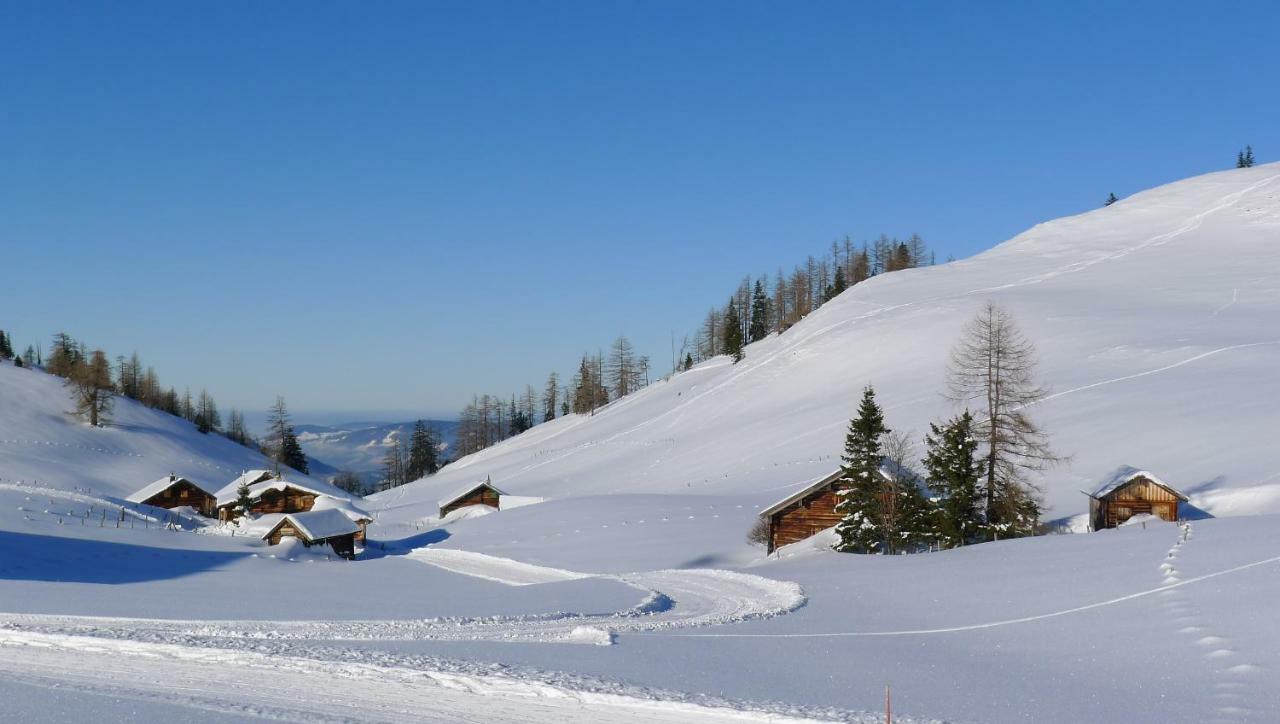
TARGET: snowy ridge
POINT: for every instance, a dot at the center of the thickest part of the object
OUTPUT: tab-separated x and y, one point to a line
1122	358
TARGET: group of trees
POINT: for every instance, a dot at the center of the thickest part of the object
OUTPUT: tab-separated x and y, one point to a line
976	465
406	462
600	378
762	306
1244	159
94	382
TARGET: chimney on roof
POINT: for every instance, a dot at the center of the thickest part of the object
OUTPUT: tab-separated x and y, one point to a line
172	477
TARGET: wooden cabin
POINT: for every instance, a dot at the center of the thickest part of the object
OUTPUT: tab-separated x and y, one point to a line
319	527
1131	492
482	493
173	491
806	512
268	496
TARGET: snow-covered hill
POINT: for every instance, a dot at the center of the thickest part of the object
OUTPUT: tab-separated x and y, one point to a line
1157	322
40	441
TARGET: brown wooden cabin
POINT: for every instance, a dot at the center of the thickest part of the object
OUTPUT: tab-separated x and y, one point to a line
1132	492
288	499
481	494
176	492
320	527
806	512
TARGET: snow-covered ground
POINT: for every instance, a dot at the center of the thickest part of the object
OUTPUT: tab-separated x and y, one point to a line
616	583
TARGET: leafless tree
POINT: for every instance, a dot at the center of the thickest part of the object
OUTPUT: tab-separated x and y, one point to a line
91	387
993	368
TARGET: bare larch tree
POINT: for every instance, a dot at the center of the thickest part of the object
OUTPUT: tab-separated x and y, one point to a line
993	366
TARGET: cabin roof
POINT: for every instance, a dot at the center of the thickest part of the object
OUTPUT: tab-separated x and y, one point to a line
159	486
810	487
468	491
318	525
1124	475
348	507
230	494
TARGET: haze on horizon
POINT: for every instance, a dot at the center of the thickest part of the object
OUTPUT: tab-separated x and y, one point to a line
377	211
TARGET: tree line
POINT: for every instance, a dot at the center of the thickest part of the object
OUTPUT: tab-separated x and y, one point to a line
94	382
975	481
758	308
762	306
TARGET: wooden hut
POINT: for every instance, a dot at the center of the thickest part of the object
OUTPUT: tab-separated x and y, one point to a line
1129	492
357	515
482	493
806	512
317	528
173	491
270	495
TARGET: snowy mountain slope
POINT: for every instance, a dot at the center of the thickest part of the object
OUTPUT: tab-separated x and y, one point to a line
40	441
1157	322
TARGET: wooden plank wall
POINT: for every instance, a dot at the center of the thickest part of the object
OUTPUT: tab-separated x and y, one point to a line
812	514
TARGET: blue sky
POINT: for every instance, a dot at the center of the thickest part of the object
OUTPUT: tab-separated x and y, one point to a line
383	207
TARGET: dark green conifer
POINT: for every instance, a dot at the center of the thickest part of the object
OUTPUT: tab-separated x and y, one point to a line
861	529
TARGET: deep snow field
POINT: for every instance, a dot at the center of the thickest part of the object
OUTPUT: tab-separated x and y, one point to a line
622	588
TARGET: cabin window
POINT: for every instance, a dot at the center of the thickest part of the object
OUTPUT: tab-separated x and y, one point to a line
182	493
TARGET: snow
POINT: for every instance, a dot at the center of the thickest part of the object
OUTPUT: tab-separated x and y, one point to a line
319	525
624	590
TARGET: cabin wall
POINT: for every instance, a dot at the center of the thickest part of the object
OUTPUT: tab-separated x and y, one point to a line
183	494
809	515
483	496
285	530
1135	498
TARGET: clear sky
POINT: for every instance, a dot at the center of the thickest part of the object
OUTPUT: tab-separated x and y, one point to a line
377	207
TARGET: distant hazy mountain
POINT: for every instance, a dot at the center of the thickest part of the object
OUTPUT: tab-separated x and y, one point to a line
360	446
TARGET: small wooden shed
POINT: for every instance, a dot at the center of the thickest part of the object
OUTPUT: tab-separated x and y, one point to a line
316	528
806	512
482	493
1129	492
173	491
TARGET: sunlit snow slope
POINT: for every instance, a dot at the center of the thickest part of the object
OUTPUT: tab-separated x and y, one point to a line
1157	322
41	442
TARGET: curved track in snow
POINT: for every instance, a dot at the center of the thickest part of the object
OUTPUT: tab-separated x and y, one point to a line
672	599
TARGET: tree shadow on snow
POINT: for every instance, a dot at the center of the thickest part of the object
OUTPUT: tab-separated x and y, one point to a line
55	559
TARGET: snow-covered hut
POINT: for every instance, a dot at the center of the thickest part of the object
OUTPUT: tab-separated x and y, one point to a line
358	515
1129	492
267	494
481	493
806	512
174	491
317	527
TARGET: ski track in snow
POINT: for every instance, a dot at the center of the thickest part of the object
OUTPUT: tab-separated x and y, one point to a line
1169	586
672	599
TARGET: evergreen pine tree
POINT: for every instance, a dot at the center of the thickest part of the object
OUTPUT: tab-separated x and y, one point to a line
1248	157
954	470
1111	199
759	313
286	449
6	348
1240	160
243	501
688	360
862	485
17	362
733	332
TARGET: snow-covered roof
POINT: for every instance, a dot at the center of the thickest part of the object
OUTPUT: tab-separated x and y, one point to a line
807	489
1123	475
252	477
318	525
230	494
468	491
159	486
352	511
